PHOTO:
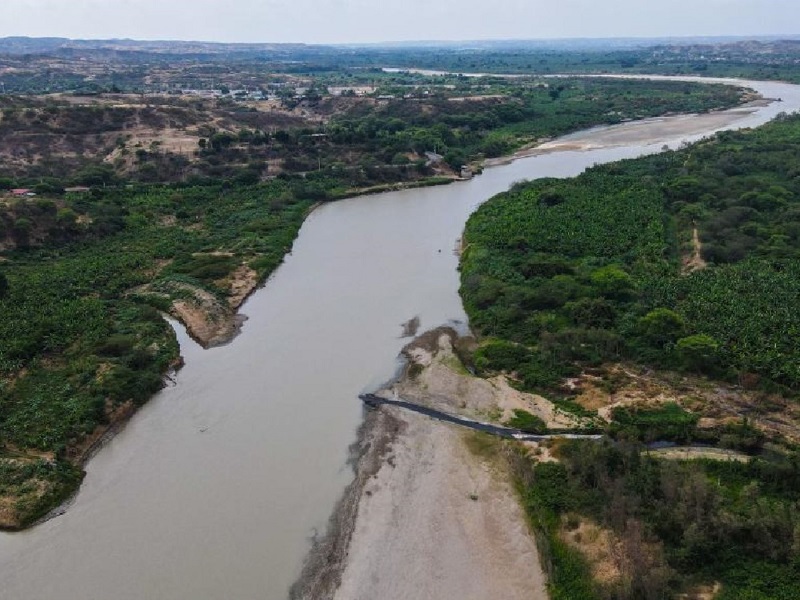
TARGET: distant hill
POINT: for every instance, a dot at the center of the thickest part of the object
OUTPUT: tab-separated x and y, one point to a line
28	45
54	45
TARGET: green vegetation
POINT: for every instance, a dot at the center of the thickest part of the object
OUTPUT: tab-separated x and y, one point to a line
497	116
678	523
48	143
525	421
579	272
668	422
36	485
561	277
77	346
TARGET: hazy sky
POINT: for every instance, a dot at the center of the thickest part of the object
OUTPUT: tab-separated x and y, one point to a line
325	21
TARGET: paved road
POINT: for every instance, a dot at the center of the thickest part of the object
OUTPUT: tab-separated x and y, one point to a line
374	401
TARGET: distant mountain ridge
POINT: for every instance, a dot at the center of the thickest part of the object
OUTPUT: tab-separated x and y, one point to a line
28	45
21	45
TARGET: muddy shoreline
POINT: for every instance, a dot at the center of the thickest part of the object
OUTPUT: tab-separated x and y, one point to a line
421	502
322	571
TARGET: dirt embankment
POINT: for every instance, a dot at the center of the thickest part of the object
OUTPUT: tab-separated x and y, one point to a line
435	377
693	261
426	517
716	404
209	319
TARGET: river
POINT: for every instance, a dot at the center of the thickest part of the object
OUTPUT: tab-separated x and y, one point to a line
216	486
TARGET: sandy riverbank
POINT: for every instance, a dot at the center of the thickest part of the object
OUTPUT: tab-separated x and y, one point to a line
438	522
425	517
647	131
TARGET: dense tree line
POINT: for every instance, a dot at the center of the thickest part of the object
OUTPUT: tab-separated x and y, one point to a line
587	270
677	523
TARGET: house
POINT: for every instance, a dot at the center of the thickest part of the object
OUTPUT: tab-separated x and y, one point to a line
22	192
79	189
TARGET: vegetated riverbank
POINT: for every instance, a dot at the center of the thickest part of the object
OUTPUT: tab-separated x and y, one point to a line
567	280
723	418
213	322
85	342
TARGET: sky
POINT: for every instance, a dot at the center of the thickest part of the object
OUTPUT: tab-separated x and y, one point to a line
357	21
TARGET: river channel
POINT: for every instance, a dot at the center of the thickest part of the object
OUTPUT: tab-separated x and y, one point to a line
216	487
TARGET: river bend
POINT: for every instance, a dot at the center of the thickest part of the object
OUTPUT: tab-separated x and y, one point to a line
216	486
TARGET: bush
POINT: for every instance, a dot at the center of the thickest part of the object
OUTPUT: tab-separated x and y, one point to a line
668	422
698	352
527	422
661	326
613	282
116	345
499	355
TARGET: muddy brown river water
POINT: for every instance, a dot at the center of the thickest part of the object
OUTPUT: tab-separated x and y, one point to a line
216	487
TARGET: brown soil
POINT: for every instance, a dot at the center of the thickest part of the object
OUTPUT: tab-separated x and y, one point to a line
208	319
9	516
435	377
702	592
241	283
692	453
694	261
716	403
598	545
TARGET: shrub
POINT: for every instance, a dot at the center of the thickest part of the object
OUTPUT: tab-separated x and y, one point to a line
698	352
668	422
527	422
661	326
